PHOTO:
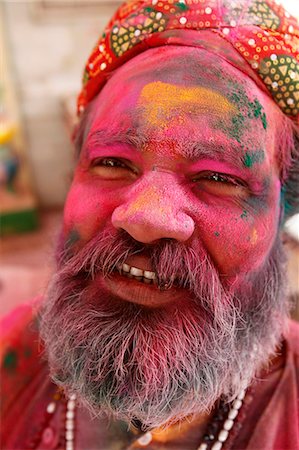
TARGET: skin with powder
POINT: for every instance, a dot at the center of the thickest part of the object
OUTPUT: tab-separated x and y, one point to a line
171	183
176	176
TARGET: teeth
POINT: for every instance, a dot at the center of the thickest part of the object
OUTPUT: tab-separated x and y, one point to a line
126	268
136	272
149	275
141	275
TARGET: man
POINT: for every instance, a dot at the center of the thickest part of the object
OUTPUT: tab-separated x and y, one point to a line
165	325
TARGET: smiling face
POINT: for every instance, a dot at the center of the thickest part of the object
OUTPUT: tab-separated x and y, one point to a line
170	242
190	160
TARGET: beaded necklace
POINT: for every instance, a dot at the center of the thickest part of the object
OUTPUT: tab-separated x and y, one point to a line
213	439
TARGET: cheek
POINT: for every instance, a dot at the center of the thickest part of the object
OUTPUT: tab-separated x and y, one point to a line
240	240
88	209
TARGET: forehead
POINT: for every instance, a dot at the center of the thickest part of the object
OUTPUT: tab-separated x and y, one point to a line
183	93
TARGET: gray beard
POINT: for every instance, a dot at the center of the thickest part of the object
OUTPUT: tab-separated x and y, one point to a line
159	366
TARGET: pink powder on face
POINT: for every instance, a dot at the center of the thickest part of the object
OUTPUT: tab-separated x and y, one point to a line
156	209
87	208
227	168
164	203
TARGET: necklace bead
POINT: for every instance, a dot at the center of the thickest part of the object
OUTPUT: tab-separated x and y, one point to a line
233	414
228	424
145	439
51	407
237	404
216	446
203	446
223	435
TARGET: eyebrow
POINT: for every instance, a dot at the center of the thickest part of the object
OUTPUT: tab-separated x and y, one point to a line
192	150
106	138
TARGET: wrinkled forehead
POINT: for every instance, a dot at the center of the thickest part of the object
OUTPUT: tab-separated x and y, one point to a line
185	67
162	82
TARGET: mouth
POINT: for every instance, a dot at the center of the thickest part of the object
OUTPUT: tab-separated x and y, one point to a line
136	285
143	276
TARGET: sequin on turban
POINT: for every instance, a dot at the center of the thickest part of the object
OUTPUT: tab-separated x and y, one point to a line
261	31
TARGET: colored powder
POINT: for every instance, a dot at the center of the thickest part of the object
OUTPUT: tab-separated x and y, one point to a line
288	208
256	109
150	196
238	126
73	237
162	101
256	157
252	110
244	215
254	236
10	360
264	120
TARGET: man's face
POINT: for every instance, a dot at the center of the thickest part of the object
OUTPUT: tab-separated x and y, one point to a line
192	162
176	182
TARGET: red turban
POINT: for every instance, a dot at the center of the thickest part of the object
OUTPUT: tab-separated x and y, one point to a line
257	36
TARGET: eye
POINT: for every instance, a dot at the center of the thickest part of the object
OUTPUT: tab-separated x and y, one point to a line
221	184
113	168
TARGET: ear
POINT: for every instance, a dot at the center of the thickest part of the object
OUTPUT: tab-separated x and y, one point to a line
81	129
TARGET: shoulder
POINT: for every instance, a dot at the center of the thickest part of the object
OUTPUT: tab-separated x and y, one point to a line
20	351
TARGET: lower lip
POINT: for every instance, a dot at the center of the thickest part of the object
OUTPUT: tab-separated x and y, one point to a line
134	291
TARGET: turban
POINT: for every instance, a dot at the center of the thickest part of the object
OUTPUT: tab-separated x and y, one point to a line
257	36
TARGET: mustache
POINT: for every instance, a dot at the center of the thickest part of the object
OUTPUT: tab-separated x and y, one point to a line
175	264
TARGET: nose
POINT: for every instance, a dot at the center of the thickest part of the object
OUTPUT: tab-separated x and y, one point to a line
155	210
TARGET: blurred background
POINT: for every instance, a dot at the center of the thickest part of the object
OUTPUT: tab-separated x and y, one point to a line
43	46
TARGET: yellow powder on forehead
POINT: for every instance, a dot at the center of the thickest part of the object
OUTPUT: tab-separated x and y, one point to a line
162	101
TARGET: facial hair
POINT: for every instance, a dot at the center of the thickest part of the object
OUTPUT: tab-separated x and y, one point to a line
159	365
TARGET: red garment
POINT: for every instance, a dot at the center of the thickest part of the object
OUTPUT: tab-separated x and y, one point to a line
33	409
